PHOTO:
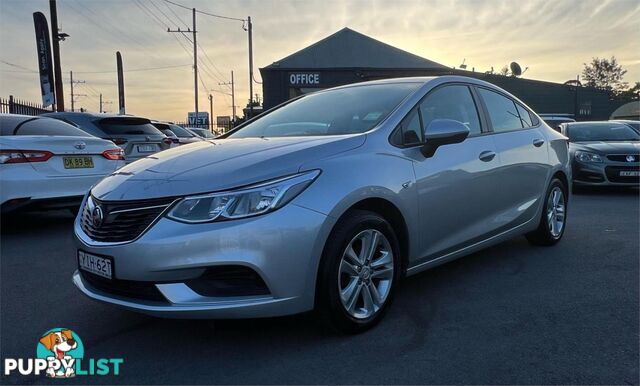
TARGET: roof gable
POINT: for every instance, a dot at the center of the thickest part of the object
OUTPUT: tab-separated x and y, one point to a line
350	49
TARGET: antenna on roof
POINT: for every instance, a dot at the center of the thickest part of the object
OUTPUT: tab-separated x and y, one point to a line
463	66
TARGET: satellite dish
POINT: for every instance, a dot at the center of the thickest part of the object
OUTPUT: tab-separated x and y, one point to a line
515	69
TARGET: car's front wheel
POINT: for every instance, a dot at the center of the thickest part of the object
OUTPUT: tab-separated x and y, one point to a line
359	271
554	216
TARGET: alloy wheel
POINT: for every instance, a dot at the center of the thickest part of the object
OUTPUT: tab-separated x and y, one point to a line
365	274
556	211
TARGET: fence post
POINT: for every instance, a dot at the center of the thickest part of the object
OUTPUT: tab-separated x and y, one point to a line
11	108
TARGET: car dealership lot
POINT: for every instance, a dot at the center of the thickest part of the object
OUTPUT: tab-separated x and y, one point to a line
510	314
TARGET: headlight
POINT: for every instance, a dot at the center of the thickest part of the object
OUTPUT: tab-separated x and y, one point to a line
584	156
250	201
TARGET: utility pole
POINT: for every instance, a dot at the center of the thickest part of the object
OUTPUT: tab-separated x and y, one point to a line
195	63
233	96
103	103
72	82
210	112
55	37
195	58
250	32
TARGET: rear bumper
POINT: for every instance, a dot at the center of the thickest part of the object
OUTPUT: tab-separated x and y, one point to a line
41	204
23	186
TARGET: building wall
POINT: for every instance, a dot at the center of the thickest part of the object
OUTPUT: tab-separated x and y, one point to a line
543	97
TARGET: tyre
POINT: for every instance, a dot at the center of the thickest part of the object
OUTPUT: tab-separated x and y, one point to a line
359	271
554	216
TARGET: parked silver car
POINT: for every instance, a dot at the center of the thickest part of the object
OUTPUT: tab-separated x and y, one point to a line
324	203
603	153
136	136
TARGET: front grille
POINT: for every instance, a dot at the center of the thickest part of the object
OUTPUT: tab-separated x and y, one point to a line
613	174
121	220
623	158
140	290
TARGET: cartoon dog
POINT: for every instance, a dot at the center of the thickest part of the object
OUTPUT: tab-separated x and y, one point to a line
59	343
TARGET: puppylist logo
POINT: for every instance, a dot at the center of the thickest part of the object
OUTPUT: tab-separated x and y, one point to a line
60	354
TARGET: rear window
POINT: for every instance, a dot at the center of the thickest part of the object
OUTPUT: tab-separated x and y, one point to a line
180	131
39	126
127	126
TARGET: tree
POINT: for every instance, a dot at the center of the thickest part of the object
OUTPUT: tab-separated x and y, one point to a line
504	71
606	74
632	93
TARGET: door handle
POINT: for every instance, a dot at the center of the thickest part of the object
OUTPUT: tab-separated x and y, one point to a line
538	142
487	155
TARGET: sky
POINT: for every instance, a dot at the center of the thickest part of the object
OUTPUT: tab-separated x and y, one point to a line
552	38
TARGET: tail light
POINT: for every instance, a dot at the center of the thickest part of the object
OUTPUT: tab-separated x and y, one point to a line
22	156
167	141
175	140
113	154
119	141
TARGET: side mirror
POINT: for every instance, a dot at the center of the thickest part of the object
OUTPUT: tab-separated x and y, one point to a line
443	132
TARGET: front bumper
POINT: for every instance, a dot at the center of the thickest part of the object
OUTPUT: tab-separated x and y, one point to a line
603	174
283	248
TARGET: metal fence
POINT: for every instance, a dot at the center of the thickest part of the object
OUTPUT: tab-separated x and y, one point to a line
17	106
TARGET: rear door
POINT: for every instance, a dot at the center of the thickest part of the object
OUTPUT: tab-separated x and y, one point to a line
137	136
524	157
457	184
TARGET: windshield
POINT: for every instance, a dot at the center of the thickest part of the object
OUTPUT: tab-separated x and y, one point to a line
343	111
590	132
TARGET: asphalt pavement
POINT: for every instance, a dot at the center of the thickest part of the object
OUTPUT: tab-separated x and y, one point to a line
511	314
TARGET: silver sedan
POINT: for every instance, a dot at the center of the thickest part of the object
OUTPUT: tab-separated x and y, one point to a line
324	203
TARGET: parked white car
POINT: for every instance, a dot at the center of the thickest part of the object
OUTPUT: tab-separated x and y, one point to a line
49	164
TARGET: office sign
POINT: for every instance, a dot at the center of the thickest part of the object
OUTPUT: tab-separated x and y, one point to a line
304	78
200	120
45	63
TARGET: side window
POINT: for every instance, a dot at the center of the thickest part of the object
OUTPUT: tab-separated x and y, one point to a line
411	129
525	117
502	111
451	102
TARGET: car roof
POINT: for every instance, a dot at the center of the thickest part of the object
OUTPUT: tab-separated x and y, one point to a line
87	115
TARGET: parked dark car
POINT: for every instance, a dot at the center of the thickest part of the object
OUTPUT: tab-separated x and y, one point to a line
184	136
603	153
136	136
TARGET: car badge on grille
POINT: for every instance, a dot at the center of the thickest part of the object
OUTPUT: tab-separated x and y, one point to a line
97	217
631	158
80	145
148	138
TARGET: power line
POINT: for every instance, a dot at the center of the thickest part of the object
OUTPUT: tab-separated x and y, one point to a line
17	66
134	69
205	13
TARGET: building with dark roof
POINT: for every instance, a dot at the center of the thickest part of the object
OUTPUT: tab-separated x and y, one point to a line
348	56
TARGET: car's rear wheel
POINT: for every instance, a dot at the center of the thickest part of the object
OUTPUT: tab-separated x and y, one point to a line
359	271
554	216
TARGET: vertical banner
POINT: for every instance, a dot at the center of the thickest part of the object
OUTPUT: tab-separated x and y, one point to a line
45	63
120	83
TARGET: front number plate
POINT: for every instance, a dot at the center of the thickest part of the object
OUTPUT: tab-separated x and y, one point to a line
99	265
77	162
630	173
